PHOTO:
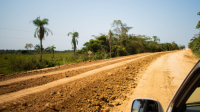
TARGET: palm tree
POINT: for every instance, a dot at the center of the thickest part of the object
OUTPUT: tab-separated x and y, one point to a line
110	35
52	49
75	35
40	31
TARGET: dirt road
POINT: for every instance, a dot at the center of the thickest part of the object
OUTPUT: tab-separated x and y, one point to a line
15	95
10	84
162	78
107	85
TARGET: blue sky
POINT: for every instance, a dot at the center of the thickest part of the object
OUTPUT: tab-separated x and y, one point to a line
170	20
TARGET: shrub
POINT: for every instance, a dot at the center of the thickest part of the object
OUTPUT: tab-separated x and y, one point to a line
50	63
24	52
18	64
84	56
121	51
79	60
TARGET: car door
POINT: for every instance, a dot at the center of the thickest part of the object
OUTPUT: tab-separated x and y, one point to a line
187	97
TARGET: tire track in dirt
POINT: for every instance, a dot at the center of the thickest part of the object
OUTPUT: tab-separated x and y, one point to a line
100	91
33	82
161	80
107	62
62	67
14	95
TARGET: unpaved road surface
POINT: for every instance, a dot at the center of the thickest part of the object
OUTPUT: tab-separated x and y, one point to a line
106	85
162	78
41	77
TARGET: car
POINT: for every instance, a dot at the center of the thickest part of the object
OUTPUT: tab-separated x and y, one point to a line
185	99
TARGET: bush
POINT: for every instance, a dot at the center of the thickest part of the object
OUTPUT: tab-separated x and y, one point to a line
194	45
50	63
121	51
24	52
84	57
20	64
79	60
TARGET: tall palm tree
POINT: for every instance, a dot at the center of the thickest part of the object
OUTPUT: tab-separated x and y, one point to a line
110	35
40	31
74	42
52	49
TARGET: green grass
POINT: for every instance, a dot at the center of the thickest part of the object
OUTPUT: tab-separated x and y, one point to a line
6	60
197	55
16	63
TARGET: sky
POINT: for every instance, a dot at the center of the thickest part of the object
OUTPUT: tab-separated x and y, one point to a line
170	20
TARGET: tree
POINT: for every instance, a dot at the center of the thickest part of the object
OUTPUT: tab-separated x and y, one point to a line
194	43
174	46
40	31
48	49
110	34
198	24
156	39
181	46
37	48
93	45
120	28
28	47
193	38
75	35
52	49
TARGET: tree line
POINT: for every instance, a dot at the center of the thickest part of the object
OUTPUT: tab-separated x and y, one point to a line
119	43
194	43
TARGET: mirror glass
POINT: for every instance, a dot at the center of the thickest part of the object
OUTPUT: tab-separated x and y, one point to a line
144	105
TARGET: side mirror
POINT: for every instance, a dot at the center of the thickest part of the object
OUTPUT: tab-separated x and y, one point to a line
146	105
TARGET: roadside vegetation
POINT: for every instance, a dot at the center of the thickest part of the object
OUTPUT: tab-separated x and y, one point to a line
117	42
40	31
18	62
194	43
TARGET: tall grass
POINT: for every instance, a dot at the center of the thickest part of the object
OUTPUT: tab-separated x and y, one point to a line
20	64
16	63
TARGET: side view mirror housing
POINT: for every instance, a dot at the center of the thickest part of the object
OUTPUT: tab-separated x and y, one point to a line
146	105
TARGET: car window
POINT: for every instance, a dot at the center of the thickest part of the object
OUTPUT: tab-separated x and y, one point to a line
193	103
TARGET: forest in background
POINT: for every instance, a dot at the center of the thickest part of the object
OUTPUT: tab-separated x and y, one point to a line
194	43
104	46
120	43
